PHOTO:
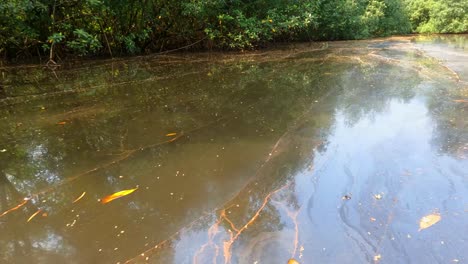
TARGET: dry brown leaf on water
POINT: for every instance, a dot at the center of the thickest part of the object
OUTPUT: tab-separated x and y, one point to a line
79	197
33	215
428	221
293	261
171	134
61	123
117	195
460	101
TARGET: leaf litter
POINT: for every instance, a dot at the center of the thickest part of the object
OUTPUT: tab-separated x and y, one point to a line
117	195
429	220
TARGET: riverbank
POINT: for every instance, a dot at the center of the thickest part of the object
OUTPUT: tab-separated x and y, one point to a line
56	30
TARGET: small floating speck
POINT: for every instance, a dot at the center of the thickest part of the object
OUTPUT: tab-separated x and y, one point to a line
377	257
346	197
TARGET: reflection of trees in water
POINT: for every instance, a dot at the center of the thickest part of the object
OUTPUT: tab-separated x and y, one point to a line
368	89
262	100
275	223
454	41
449	117
21	242
278	92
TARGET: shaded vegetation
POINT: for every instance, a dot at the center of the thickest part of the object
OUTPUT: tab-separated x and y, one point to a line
54	28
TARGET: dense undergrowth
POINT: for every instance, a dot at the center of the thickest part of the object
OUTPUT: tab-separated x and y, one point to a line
55	28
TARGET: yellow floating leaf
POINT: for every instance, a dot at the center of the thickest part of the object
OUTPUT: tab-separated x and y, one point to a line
79	197
117	195
61	123
428	221
33	215
293	261
171	134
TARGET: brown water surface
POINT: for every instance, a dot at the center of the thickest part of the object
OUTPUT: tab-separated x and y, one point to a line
327	153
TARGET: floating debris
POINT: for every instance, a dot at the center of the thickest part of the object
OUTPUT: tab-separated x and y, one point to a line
377	257
428	221
378	196
33	215
346	197
79	197
25	200
117	195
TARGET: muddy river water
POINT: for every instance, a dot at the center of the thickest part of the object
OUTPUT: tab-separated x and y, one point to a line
340	152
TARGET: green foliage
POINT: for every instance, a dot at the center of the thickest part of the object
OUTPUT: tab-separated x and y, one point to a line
84	42
92	27
438	16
